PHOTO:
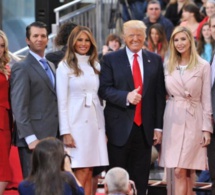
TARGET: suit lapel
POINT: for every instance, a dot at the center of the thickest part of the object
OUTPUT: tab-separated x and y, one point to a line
126	68
38	69
147	68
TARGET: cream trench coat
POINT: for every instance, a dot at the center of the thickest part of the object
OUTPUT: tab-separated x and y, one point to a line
81	114
187	113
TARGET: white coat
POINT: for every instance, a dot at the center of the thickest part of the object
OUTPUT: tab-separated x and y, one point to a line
81	114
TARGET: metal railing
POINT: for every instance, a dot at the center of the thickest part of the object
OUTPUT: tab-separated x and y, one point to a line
94	15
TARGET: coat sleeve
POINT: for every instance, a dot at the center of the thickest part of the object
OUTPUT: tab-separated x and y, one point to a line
62	83
160	96
20	99
206	99
108	89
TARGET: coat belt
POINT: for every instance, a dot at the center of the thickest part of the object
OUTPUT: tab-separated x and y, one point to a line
191	102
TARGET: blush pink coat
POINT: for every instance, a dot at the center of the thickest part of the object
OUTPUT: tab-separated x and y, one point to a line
187	113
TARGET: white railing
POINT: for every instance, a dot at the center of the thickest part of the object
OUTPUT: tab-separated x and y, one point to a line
94	15
63	7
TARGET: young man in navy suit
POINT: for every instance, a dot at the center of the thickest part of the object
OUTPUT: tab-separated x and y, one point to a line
132	83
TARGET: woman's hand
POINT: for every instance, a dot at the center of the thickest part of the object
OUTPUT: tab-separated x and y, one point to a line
69	141
206	138
67	163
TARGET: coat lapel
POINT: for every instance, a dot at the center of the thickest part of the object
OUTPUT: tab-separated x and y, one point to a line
189	74
126	68
147	69
38	68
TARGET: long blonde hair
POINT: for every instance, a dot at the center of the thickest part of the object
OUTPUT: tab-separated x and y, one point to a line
175	56
70	57
5	57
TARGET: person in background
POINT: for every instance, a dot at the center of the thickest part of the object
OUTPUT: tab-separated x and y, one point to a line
202	8
210	10
191	18
33	96
80	112
174	10
132	83
133	9
117	182
51	171
157	41
154	16
187	119
60	42
211	147
113	43
206	44
5	114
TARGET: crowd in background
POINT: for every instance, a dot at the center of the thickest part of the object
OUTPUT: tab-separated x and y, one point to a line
152	85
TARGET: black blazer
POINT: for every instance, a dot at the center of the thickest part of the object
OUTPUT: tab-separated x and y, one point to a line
116	82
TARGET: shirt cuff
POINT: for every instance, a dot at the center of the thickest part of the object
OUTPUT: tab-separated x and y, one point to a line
29	139
160	130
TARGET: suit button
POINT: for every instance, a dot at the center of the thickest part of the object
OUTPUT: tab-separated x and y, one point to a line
56	115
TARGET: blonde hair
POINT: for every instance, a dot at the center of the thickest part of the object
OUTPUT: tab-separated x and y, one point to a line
5	56
70	57
175	56
135	24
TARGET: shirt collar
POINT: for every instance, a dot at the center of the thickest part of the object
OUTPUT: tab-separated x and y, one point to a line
38	58
130	54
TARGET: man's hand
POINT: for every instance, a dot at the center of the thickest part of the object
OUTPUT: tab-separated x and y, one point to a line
157	137
33	144
69	141
134	97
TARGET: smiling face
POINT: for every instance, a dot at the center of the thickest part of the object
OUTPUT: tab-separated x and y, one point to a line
82	45
182	43
38	40
2	47
134	39
206	32
210	9
154	36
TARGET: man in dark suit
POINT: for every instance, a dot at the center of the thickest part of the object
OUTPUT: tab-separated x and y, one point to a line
211	147
33	97
132	83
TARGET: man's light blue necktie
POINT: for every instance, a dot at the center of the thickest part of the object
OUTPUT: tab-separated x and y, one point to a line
47	69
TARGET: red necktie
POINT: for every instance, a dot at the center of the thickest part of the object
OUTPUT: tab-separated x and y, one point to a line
137	82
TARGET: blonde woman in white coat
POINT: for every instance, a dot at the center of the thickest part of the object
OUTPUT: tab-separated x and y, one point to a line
80	112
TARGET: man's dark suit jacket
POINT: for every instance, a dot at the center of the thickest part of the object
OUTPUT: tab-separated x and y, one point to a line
116	82
34	101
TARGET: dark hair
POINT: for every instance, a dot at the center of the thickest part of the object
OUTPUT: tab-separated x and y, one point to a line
64	32
192	8
47	168
162	40
70	57
201	41
114	37
153	2
35	24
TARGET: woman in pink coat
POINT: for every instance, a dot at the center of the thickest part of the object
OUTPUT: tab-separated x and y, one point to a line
187	118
